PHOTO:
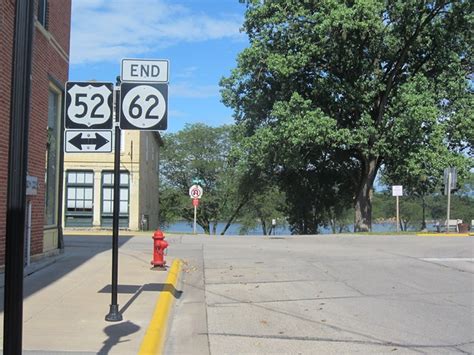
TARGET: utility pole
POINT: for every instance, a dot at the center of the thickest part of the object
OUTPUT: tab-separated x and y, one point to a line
17	168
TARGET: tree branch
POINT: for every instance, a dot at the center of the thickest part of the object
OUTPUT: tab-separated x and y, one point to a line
393	74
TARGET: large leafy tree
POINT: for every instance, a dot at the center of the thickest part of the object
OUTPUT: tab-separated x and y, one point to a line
200	151
360	83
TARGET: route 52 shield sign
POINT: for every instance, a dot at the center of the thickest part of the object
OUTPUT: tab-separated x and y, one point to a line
144	106
88	105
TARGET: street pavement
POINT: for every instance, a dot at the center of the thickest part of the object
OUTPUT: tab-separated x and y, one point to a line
324	295
294	295
67	298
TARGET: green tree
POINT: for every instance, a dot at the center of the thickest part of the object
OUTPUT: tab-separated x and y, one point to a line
199	151
384	208
263	207
358	82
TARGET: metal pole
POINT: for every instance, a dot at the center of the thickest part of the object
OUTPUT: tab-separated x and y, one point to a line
18	164
195	215
449	202
398	215
114	314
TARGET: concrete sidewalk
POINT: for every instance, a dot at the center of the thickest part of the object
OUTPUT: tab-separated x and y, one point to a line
65	302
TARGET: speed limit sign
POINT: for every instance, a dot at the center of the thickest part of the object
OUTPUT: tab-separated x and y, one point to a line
144	106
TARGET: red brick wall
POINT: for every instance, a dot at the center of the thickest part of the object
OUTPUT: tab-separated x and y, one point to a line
60	21
48	67
7	11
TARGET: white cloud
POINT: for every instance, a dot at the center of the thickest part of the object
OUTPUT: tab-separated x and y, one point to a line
195	92
105	30
187	72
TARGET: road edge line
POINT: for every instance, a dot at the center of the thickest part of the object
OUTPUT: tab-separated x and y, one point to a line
155	335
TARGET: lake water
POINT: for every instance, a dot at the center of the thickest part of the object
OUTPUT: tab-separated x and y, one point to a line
234	229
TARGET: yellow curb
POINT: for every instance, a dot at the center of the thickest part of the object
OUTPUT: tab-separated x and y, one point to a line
443	234
154	338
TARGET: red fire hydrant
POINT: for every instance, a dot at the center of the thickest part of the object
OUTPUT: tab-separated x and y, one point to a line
159	246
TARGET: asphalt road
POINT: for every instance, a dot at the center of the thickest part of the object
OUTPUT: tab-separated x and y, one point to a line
324	295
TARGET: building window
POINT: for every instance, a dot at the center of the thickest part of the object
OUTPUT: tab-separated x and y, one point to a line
108	199
43	12
52	159
79	198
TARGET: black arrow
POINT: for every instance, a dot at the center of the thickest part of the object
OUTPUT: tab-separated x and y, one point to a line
78	141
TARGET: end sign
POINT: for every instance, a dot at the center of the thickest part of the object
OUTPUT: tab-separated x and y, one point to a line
145	70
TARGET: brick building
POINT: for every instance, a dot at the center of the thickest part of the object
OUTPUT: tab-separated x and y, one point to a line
50	67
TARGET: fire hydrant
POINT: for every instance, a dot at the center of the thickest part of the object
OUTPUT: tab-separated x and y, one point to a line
159	246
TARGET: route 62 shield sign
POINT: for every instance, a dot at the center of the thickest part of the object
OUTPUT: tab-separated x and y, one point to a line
89	105
144	106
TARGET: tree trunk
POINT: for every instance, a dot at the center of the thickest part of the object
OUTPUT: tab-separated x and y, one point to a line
363	203
264	226
236	212
333	224
423	208
214	228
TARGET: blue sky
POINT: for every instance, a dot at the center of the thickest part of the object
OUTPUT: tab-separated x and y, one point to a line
200	38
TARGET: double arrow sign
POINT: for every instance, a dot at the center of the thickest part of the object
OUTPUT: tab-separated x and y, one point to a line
88	141
88	117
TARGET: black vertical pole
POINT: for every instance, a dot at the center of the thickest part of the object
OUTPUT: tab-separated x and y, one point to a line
114	314
18	164
60	214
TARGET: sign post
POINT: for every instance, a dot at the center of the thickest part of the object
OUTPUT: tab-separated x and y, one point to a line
397	190
89	121
449	202
195	204
114	315
195	192
450	180
141	103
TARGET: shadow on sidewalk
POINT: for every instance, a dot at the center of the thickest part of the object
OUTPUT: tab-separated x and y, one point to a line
136	290
115	332
78	250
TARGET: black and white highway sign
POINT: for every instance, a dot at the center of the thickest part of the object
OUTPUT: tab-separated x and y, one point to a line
88	141
144	106
89	105
145	70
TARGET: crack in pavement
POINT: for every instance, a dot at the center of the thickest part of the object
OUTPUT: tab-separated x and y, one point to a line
262	282
423	260
352	341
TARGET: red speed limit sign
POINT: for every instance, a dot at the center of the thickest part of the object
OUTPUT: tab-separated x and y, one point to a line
195	191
